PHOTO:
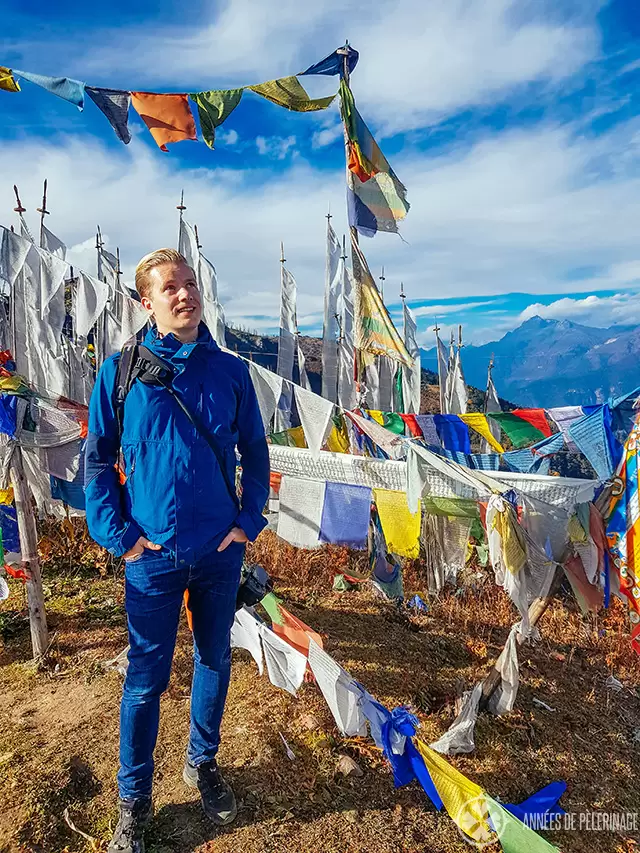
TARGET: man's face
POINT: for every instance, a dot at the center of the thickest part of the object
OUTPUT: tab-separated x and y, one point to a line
174	299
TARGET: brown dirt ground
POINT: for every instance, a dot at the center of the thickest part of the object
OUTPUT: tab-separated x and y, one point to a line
59	722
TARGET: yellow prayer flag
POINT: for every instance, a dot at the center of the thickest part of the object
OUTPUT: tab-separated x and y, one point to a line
296	434
288	92
478	422
338	440
464	801
377	416
400	526
8	82
514	552
6	496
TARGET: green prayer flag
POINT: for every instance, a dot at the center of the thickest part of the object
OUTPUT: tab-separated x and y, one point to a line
398	394
519	432
451	507
213	108
515	836
393	422
271	604
288	92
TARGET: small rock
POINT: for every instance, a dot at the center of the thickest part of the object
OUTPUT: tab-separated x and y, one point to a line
348	767
308	721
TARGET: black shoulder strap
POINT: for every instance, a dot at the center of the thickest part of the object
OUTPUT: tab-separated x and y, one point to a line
124	381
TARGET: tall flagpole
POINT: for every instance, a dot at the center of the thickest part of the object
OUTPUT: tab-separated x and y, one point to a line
181	207
489	371
436	329
43	212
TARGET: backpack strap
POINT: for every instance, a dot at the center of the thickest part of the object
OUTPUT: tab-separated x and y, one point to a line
124	380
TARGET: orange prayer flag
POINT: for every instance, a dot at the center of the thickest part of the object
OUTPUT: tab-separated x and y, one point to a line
168	117
295	632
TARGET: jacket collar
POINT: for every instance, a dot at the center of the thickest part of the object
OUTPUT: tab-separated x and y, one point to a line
169	347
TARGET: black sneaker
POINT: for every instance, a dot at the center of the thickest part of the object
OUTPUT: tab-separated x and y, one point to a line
218	800
134	815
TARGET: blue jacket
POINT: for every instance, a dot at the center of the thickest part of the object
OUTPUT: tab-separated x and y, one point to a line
175	493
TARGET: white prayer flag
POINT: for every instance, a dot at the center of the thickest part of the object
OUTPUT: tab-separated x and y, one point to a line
332	287
245	634
411	376
91	298
316	418
334	682
268	388
300	511
286	666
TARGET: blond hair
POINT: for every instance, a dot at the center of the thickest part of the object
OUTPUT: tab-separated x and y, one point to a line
150	262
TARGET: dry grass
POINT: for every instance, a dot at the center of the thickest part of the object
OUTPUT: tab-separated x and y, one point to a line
59	724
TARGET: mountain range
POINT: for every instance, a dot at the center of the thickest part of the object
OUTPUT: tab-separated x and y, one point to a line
555	363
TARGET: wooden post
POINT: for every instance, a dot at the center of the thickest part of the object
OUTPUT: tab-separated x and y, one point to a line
30	563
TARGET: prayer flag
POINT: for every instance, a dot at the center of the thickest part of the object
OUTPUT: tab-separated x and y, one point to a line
427	425
334	277
412	425
376	198
594	437
345	515
214	107
623	530
400	526
464	801
453	433
168	117
288	92
519	431
478	422
114	103
374	330
334	63
515	836
295	632
338	439
64	87
8	83
536	418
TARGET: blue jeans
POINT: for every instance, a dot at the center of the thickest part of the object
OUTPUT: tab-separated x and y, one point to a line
154	588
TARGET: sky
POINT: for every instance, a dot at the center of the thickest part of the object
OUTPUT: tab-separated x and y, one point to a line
514	125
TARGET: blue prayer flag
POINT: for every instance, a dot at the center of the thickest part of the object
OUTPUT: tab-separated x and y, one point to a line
453	433
345	515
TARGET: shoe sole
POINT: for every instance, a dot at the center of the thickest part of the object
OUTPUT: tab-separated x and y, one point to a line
219	819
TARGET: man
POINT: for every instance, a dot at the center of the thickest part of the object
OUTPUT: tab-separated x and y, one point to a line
178	526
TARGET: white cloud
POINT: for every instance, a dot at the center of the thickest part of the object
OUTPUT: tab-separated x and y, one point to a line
275	147
228	137
327	136
599	311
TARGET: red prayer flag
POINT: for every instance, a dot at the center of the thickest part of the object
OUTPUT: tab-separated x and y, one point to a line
536	418
412	424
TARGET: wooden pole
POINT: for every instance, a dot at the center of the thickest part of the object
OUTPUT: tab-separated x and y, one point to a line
30	563
43	212
441	388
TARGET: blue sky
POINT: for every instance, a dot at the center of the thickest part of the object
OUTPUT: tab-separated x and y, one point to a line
513	124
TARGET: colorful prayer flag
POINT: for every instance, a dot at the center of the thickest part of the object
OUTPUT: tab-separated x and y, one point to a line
168	117
345	515
623	530
288	92
515	836
374	330
400	526
464	801
453	433
8	83
335	62
536	418
114	103
294	631
64	87
376	198
214	107
519	431
478	422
